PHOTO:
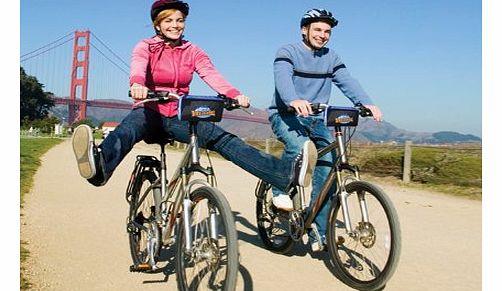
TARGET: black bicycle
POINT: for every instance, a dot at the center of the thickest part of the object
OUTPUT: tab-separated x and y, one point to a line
189	213
363	237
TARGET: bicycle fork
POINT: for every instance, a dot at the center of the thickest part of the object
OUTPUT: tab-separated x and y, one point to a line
363	207
187	218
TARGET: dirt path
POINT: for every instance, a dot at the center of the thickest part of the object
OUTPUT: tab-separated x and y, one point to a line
78	241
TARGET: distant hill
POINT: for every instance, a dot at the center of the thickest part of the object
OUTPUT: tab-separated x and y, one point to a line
367	131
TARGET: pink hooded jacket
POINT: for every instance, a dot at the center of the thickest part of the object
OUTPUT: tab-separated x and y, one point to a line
160	67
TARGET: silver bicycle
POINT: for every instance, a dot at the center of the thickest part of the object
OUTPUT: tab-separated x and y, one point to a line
363	230
183	212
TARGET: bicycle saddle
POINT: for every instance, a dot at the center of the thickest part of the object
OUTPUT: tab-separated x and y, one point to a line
161	138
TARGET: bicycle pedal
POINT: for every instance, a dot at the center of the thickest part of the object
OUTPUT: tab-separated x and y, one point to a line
140	268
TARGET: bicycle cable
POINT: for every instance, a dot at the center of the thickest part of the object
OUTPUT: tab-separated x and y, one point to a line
211	165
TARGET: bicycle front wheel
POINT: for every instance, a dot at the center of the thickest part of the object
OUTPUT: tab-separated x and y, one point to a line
212	261
366	257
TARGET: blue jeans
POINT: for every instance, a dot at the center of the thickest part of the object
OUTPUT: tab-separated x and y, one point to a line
143	123
293	131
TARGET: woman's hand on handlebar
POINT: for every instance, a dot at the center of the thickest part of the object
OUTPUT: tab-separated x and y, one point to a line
138	91
243	101
302	107
375	111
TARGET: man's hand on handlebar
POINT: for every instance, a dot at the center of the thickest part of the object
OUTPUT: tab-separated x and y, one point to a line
138	91
302	107
375	111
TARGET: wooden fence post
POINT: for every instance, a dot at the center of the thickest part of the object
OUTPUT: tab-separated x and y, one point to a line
407	161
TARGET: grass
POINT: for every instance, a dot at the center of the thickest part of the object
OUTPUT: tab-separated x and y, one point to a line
31	150
454	170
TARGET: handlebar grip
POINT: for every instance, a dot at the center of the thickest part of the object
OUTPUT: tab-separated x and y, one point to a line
365	112
230	104
153	94
316	108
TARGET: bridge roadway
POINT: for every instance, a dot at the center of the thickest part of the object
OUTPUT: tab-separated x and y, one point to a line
128	105
77	239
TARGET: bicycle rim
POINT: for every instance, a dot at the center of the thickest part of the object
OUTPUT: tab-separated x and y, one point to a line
273	226
367	258
212	263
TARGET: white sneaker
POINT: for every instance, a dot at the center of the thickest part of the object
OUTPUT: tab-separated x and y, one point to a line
318	243
83	148
317	247
304	164
283	202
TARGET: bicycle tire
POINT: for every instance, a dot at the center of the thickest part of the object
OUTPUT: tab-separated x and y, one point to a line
273	228
143	230
211	264
367	260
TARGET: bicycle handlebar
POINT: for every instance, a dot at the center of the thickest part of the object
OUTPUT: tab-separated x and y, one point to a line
320	107
157	96
363	111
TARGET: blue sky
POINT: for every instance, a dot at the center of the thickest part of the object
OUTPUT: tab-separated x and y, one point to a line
419	60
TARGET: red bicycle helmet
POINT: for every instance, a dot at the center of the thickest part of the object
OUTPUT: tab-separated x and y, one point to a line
161	5
314	15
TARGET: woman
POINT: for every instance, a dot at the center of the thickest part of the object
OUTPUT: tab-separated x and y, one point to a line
166	62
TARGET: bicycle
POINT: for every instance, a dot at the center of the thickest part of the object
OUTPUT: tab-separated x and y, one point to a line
363	230
191	213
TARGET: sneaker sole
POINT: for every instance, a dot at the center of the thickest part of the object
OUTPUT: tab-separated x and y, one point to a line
82	142
310	159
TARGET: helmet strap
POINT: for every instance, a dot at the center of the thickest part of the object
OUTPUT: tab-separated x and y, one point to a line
306	40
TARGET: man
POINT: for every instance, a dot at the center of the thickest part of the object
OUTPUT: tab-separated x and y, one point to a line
303	73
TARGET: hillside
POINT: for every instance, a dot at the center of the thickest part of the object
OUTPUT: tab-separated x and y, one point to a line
367	131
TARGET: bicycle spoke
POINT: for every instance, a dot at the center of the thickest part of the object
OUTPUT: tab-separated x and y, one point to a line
206	266
368	255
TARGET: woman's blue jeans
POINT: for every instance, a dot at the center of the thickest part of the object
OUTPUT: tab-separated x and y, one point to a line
143	123
293	131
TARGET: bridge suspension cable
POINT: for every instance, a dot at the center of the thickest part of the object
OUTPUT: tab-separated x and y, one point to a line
110	50
106	57
27	56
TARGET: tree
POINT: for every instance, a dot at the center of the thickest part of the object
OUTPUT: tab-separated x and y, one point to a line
46	125
35	102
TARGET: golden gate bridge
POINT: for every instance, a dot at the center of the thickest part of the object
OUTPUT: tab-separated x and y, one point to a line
53	66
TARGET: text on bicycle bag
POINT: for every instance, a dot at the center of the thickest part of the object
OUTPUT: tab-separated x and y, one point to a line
341	116
200	108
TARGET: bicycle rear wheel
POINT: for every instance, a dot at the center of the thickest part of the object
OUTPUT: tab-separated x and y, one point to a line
212	263
273	226
143	230
366	258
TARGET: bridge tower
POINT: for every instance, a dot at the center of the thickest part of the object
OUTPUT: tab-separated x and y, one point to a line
79	77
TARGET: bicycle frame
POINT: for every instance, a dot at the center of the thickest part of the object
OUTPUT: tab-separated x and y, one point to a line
175	194
335	176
